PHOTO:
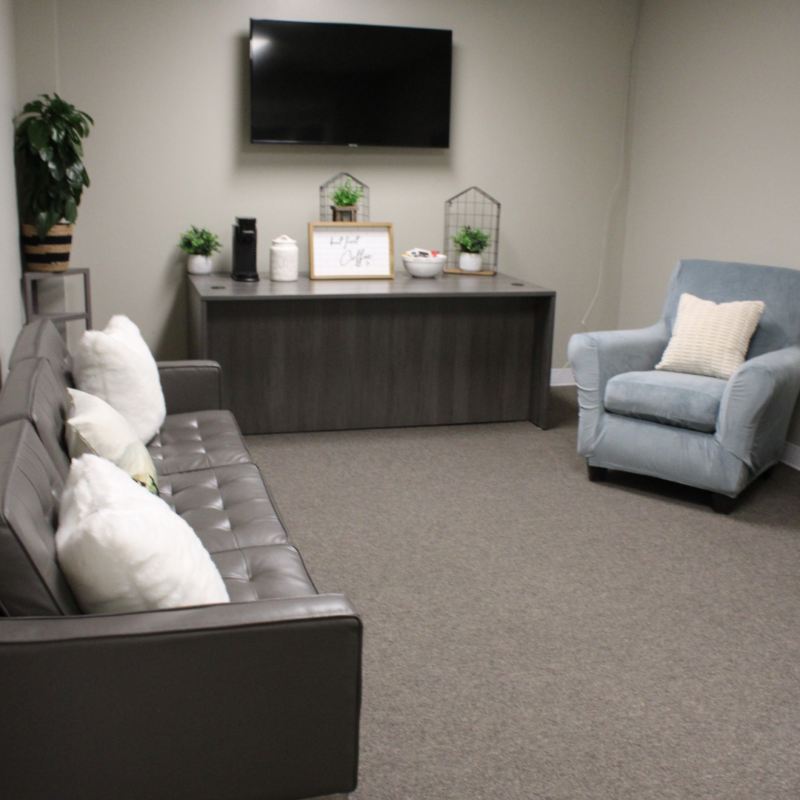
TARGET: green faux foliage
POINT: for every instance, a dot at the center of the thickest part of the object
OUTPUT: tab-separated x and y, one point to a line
48	146
199	242
347	195
470	240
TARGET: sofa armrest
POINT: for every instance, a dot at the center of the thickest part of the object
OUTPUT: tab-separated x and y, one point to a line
191	385
597	357
256	699
757	407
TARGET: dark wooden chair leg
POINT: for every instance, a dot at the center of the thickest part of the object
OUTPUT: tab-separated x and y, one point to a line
596	474
721	503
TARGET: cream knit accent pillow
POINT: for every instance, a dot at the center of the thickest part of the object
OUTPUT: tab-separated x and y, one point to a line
710	338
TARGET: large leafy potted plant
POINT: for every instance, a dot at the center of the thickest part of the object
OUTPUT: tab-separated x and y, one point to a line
51	179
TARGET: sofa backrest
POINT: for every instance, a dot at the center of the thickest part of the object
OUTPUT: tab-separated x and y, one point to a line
33	467
31	583
33	391
723	282
41	339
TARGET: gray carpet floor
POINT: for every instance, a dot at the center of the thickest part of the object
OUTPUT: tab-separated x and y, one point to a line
529	634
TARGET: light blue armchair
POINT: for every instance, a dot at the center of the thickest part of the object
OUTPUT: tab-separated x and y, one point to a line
705	432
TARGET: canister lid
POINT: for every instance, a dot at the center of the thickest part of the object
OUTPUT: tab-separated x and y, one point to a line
284	239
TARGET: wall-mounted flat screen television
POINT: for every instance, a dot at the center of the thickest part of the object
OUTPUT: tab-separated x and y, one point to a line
342	84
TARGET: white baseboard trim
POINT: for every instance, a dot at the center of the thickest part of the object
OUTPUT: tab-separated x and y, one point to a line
791	455
561	377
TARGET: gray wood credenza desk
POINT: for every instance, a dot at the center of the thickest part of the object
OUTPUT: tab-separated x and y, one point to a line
333	355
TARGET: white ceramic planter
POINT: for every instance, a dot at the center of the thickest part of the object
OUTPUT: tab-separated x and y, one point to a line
470	262
198	265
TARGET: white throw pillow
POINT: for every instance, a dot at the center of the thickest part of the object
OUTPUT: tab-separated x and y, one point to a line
710	338
124	549
94	427
116	365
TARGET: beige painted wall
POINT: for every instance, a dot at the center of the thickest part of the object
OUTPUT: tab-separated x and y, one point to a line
715	156
538	96
11	314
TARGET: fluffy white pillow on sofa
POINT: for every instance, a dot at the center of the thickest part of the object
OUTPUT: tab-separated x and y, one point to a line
93	426
116	365
124	549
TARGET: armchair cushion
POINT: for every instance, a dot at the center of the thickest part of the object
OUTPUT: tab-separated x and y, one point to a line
670	398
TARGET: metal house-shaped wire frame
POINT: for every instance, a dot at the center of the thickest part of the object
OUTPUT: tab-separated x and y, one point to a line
326	197
475	208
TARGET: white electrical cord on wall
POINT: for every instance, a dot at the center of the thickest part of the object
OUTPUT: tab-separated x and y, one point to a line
612	198
623	149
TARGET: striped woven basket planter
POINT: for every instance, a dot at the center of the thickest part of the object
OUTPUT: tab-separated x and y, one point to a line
50	254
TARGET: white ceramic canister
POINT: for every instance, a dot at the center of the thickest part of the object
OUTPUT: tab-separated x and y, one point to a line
283	259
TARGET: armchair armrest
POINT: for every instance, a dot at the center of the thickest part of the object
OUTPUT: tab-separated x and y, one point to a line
191	385
597	357
757	407
257	699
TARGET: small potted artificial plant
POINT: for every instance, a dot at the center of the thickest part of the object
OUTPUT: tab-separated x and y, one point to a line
471	242
51	179
345	202
199	244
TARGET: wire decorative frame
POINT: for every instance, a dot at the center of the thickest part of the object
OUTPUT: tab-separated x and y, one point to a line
326	197
475	208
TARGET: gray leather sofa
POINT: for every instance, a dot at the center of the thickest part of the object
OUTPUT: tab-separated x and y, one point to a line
258	698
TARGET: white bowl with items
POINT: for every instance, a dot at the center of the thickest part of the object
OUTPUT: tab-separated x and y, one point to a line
421	263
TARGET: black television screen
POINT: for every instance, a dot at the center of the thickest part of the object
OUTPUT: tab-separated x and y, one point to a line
342	84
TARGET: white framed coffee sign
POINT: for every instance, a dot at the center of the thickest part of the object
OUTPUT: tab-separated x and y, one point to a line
350	250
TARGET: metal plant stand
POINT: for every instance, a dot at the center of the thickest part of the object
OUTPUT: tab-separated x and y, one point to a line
475	208
31	292
359	213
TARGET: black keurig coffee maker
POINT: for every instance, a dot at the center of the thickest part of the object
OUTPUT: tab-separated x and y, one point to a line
244	250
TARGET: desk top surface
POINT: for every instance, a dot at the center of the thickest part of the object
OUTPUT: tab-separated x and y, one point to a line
220	286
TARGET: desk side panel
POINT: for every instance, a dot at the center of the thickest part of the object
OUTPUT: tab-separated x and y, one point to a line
198	340
545	313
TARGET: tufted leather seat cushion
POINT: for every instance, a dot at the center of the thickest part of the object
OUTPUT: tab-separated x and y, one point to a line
231	511
197	440
228	507
259	573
